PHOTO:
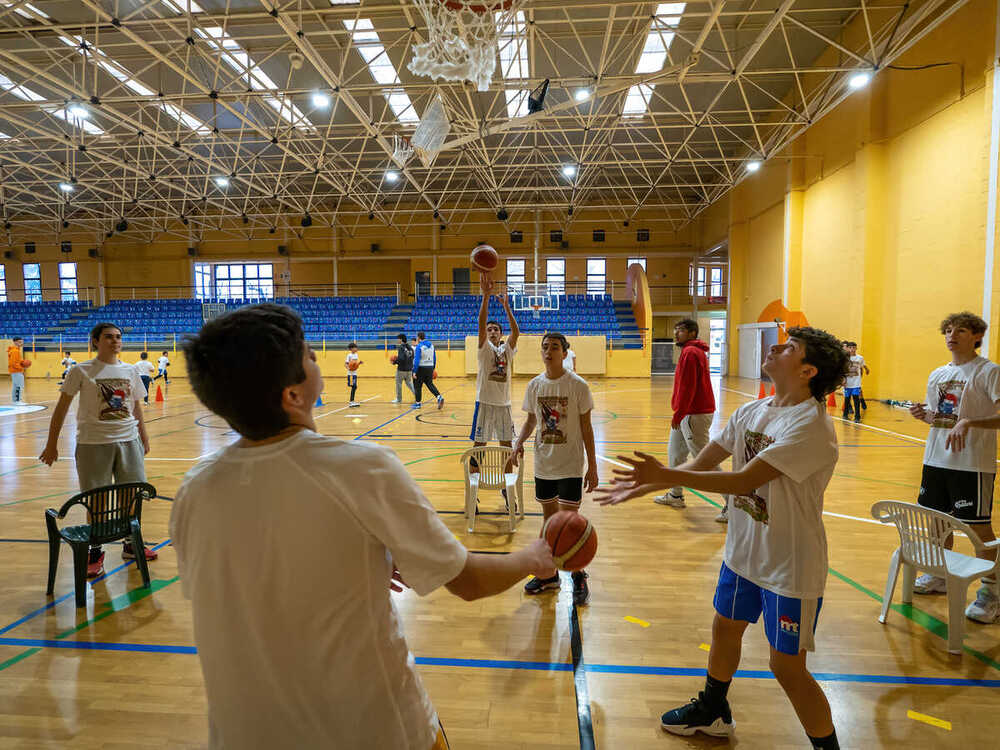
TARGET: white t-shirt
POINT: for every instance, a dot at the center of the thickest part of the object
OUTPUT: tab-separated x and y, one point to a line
145	367
286	551
569	361
957	391
557	406
351	357
776	537
493	379
107	395
855	368
68	362
162	363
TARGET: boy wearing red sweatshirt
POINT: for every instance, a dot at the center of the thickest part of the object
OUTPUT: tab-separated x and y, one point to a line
693	404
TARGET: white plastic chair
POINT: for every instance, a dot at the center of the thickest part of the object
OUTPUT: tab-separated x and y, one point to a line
922	533
492	460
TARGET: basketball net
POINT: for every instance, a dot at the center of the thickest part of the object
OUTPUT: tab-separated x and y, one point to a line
402	150
462	39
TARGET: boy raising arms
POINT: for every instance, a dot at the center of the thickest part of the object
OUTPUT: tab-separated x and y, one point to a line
492	419
559	403
960	457
351	363
324	515
784	451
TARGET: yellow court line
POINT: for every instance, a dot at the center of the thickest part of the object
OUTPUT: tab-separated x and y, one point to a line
932	720
636	621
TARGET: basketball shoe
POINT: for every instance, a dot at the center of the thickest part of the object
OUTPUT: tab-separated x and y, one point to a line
537	585
674	501
986	607
928	584
95	563
581	591
723	516
129	554
699	716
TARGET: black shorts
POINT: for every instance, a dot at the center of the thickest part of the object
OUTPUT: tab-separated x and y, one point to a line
966	495
569	490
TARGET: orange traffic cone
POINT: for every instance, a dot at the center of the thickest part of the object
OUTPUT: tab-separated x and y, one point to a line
159	395
761	393
831	401
772	389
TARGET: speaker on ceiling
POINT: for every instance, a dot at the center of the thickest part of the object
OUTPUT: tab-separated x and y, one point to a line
92	252
66	246
374	247
8	254
282	249
192	251
29	248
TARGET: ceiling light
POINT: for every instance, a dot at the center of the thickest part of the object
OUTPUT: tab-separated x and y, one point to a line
391	176
581	95
66	187
753	166
320	100
222	182
77	112
859	80
569	170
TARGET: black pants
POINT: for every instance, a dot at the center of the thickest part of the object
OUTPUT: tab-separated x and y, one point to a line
424	376
856	400
146	381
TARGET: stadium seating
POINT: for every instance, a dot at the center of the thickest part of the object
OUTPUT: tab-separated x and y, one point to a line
29	319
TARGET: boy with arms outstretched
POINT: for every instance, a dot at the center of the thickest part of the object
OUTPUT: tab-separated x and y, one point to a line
784	452
559	403
492	418
343	518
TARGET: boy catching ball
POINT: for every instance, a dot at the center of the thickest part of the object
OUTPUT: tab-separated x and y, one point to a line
784	451
287	544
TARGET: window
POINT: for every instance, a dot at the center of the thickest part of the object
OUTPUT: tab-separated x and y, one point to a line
640	261
596	275
3	284
67	282
517	236
555	275
555	235
715	281
513	48
642	235
515	274
369	46
202	281
32	282
696	287
237	281
598	235
716	343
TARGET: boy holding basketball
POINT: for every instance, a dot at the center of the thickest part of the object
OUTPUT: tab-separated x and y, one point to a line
351	363
492	419
300	642
16	366
559	403
784	452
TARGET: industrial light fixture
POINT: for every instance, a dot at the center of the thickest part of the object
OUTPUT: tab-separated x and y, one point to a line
582	95
859	80
307	220
569	171
391	176
753	166
222	182
66	187
320	100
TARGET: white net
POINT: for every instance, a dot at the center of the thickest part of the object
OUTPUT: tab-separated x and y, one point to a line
462	39
430	133
402	150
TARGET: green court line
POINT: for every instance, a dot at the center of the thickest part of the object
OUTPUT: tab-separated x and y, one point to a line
56	494
15	659
26	468
918	616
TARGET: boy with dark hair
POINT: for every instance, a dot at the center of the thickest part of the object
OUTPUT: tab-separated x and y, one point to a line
960	456
693	404
67	363
425	359
559	403
404	368
162	364
784	452
15	366
347	678
852	385
111	437
145	370
491	419
351	363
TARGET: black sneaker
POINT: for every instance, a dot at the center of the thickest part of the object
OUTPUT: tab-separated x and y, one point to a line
698	716
538	585
581	591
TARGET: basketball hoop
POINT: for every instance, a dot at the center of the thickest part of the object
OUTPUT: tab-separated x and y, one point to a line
535	311
462	39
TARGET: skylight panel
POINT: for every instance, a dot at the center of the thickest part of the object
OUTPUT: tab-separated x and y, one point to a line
21	92
27	10
653	56
86	125
370	48
181	6
513	44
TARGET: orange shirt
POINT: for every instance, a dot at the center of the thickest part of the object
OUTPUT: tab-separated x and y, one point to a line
14	358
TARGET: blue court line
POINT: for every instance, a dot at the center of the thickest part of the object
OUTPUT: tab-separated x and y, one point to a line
400	416
535	666
71	594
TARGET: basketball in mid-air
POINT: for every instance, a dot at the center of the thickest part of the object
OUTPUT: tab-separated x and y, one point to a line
26	363
484	258
572	538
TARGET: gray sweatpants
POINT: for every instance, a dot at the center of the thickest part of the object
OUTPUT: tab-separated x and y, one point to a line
403	377
17	387
98	465
687	440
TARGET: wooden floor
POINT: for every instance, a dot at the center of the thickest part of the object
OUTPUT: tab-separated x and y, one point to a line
122	673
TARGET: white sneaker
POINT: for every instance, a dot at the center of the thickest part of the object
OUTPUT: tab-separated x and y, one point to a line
674	501
723	516
354	403
986	607
440	402
394	401
928	584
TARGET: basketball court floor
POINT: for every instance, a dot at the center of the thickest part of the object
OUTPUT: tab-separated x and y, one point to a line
511	672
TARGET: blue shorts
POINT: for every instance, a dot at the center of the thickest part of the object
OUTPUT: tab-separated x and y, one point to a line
789	624
852	391
352	379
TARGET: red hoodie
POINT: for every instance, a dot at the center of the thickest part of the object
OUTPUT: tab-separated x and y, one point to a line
692	386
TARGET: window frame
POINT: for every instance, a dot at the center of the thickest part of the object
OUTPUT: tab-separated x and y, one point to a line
556	282
593	285
32	282
513	285
3	283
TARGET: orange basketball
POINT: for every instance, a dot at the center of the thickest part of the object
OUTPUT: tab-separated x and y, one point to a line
572	538
26	363
393	359
484	258
354	364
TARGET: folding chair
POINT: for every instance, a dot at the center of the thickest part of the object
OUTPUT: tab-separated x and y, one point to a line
922	533
492	475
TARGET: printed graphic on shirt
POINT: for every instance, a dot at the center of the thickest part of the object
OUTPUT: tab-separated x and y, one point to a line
115	395
854	369
498	370
949	399
754	505
553	410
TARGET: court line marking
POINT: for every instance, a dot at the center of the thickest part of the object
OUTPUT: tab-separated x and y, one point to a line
544	666
363	401
932	720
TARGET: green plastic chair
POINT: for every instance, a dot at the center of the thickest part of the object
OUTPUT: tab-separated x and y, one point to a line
114	513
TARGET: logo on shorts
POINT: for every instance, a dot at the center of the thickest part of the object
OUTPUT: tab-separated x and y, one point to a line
963	504
788	625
